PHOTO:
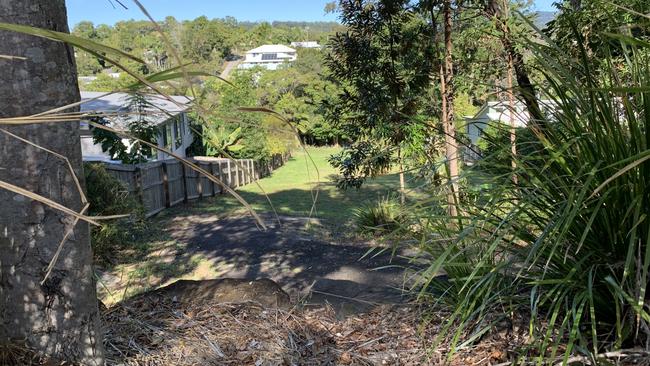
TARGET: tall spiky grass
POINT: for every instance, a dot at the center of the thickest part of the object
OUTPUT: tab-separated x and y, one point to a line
568	246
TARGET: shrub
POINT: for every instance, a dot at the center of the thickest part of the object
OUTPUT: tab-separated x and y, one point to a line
108	196
568	245
381	217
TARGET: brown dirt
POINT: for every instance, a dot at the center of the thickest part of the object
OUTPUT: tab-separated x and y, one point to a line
225	290
309	268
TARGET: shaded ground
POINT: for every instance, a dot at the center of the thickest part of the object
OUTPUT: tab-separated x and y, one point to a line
313	271
293	257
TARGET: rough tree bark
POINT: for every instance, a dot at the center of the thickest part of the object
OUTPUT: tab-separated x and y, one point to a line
511	99
402	181
447	90
513	130
60	317
527	90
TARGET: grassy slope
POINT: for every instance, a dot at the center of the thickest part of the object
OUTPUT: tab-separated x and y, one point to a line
291	189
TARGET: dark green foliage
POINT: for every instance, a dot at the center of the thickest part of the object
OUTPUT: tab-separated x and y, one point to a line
138	127
496	159
108	196
227	130
383	65
592	21
567	246
359	161
298	92
205	41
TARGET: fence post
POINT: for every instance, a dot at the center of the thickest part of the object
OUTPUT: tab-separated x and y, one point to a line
137	178
222	178
244	165
248	169
214	185
229	181
236	174
166	185
199	181
184	179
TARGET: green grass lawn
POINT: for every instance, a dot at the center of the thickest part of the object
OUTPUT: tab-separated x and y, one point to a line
292	189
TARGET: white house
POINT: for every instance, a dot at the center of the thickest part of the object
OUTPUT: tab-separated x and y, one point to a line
305	44
171	118
269	56
499	112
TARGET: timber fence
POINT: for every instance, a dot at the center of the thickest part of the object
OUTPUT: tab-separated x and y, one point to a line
166	183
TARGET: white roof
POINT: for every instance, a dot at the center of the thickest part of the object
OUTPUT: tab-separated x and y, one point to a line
272	48
305	44
159	110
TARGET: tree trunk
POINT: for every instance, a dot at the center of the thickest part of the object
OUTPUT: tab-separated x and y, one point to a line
513	130
526	88
511	98
447	90
60	317
402	181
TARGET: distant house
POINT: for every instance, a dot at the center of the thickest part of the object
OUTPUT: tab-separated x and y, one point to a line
269	56
171	119
499	111
305	44
87	79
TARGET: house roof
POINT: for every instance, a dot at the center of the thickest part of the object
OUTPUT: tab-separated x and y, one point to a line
305	44
544	104
158	110
272	48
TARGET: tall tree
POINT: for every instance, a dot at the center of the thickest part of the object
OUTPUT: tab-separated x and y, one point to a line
498	10
447	91
382	65
59	317
583	28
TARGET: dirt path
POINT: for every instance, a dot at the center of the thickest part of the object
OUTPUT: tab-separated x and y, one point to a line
307	267
230	66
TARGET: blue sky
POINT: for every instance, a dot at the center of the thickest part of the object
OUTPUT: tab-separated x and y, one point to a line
545	5
101	11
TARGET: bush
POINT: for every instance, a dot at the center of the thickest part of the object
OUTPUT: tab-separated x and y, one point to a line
567	246
381	217
108	196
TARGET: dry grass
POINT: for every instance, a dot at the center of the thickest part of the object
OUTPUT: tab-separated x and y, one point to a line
147	331
154	331
151	330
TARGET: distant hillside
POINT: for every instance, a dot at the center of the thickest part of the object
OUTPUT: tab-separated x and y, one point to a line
325	27
543	17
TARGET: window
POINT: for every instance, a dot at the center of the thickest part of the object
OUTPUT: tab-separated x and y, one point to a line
177	132
166	133
269	56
